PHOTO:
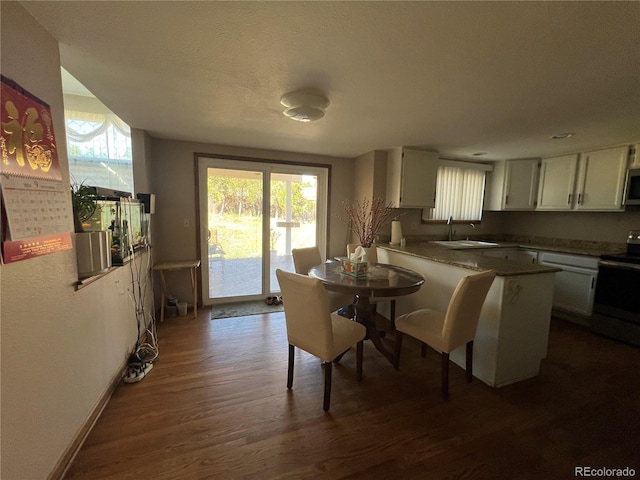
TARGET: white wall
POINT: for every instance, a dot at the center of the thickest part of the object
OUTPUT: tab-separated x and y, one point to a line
60	348
174	181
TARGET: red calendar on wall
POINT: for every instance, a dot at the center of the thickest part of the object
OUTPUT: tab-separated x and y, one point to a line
36	205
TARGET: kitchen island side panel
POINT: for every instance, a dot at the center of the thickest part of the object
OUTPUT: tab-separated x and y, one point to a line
514	322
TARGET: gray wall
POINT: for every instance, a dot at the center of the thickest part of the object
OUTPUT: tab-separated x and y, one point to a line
174	183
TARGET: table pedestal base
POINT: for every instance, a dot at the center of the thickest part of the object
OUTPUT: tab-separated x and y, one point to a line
365	316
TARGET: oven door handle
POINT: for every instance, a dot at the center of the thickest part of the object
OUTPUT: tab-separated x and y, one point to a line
622	265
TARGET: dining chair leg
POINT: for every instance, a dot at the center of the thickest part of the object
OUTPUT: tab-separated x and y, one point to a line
359	352
327	385
398	347
423	349
469	359
445	375
290	369
392	314
339	357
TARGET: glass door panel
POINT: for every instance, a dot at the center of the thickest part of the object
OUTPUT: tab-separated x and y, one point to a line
293	223
234	232
252	214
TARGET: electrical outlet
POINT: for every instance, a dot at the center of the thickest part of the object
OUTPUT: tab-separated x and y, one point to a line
187	223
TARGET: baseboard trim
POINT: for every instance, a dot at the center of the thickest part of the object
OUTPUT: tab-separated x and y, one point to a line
74	447
572	317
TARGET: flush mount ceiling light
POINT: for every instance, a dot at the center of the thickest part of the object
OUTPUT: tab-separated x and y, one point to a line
562	136
304	106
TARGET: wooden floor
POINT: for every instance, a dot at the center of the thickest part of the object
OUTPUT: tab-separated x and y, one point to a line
216	406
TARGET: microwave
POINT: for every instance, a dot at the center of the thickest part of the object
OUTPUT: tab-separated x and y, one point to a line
632	190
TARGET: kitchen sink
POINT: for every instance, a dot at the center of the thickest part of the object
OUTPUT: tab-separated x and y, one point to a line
463	244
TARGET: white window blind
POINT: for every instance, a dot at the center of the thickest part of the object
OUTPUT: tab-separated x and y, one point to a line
459	191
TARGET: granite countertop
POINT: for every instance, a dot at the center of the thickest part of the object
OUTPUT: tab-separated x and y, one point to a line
468	259
587	250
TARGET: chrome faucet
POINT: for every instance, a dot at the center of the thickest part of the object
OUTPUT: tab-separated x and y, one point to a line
450	223
472	226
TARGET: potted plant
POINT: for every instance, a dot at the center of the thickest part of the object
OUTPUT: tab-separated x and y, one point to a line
93	249
84	204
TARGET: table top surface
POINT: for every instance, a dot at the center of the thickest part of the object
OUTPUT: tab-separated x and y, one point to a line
381	280
177	265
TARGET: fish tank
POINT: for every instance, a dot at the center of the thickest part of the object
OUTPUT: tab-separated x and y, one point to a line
127	222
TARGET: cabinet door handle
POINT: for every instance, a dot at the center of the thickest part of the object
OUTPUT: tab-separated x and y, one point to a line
569	200
579	198
506	200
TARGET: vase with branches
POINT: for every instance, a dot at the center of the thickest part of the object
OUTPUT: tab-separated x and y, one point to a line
367	218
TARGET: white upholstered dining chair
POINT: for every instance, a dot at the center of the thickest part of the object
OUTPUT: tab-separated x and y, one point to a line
312	327
306	258
446	331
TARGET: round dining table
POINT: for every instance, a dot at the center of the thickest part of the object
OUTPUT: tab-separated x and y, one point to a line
381	280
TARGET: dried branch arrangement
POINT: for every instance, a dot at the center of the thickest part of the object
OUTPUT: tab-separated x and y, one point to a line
367	218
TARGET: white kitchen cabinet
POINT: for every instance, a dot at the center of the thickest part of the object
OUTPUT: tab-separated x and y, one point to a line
497	252
574	286
517	255
592	182
523	256
601	176
557	182
513	185
635	156
411	177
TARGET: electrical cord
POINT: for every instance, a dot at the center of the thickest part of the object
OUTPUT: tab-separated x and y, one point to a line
145	352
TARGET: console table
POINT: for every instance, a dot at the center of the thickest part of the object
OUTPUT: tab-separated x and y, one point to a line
192	267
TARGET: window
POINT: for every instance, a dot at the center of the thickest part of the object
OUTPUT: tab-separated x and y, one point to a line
459	191
99	146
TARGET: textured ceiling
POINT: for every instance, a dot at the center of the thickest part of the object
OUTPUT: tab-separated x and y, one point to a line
458	77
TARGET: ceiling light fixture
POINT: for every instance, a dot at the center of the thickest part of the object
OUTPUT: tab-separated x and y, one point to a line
304	105
562	136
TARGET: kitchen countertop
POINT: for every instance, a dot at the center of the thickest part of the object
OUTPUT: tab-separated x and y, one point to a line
468	259
571	250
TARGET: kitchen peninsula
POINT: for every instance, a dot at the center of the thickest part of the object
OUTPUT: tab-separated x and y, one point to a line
513	330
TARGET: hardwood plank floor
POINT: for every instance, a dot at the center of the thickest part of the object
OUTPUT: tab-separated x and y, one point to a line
215	405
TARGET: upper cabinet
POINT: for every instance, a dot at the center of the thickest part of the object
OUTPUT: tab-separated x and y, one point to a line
601	179
411	178
635	156
513	185
592	182
557	182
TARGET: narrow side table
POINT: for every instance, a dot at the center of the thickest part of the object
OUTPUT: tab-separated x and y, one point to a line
192	266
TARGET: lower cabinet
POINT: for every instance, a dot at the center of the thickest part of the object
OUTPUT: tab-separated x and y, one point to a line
575	285
523	256
514	254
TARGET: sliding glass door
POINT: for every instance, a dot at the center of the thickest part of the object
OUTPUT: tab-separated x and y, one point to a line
252	215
